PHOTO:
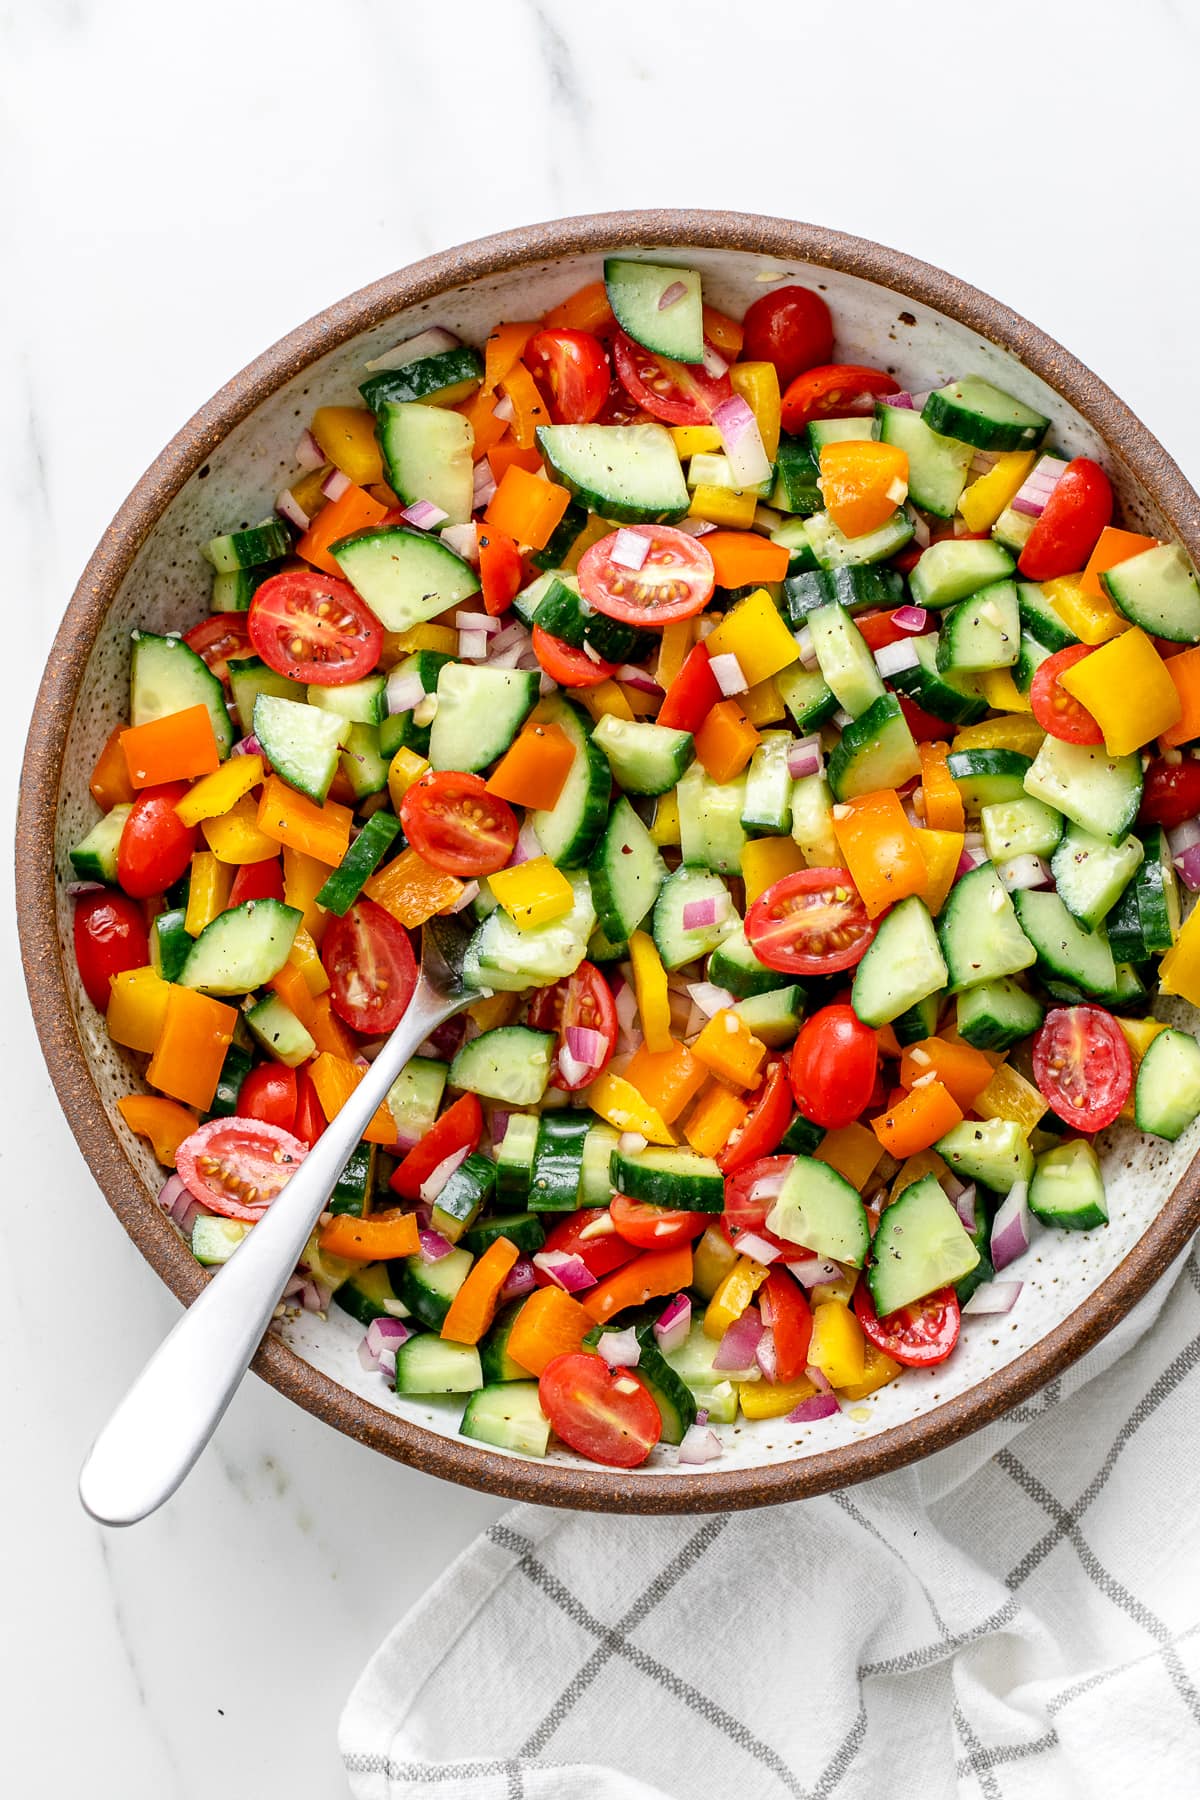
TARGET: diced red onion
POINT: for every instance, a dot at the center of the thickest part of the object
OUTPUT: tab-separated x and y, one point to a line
970	859
993	1297
585	1044
565	1270
806	757
637	678
522	1279
526	847
714	365
437	1178
513	636
463	540
632	1143
699	1444
922	536
247	746
983	462
378	1348
699	914
309	453
433	1245
817	1406
819	1379
708	998
911	618
619	1349
1025	871
742	441
469	894
1010	1227
1038	486
964	1205
423	514
727	671
737	1347
477	621
1188	865
498	1124
625	1000
484	484
815	1271
426	343
891	658
765	1355
951	1186
903	400
767	1187
757	1248
671	295
673	1324
573	1071
76	888
806	647
630	549
1182	837
335	484
404	691
473	646
289	508
696	527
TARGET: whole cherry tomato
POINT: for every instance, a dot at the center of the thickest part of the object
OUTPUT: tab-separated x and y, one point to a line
110	937
834	1062
790	327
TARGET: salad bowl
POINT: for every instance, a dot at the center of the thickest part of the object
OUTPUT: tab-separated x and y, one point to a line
921	324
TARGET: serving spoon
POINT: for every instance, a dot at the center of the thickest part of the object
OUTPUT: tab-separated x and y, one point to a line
159	1429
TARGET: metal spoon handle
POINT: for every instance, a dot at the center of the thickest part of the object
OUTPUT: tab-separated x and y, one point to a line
163	1423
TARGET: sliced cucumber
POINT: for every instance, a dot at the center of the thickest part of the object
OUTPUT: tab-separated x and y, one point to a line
767	801
983	632
344	884
820	432
955	698
1157	888
987	777
595	1183
414	1098
1065	950
514	1156
94	857
677	945
1091	874
626	874
1021	827
995	1015
250	548
242	948
479	713
994	1151
977	413
405	576
796	477
644	758
170	941
1013	530
919	1021
921	1245
508	1415
431	1365
363	765
525	1230
1067	1189
300	742
637	292
812	822
852	587
980	931
511	1063
955	568
251	677
628	473
903	965
1098	791
773	1017
503	957
234	589
937	465
831	547
674	1178
677	1405
368	1294
819	1208
1030	658
166	677
362	702
569	830
1158	591
464	1196
876	751
1167	1096
845	662
710	820
439	380
562	611
807	696
427	1289
1041	618
214	1240
280	1032
427	455
734	966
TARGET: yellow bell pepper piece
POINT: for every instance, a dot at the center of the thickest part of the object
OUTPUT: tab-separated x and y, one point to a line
346	435
496	1010
307	958
618	1102
677	640
841	1292
838	1347
729	1048
763	703
733	1296
664	830
404	771
137	1006
1179	970
1092	617
770	1400
1128	690
1139	1034
216	793
533	893
303	878
593	531
925	1162
696	440
1014	731
853	1151
941	851
605	698
235	837
758	385
419	637
755	633
1009	1096
985	499
712	1260
878	1370
1001	691
767	860
208	891
650	986
724	506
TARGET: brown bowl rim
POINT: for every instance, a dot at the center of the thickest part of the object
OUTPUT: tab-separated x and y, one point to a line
1128	442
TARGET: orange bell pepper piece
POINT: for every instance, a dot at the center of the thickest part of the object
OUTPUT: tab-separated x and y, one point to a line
654	1272
729	1050
298	823
371	1239
917	1121
586	310
529	409
676	642
503	351
962	1071
723	333
852	1151
164	1122
667	1079
1184	671
1113	546
356	510
179	747
474	1306
880	849
715	1117
509	455
526	507
412	890
110	784
943	802
743	558
534	771
197	1031
313	1011
942	851
303	879
480	413
548	1325
335	1081
726	741
862	483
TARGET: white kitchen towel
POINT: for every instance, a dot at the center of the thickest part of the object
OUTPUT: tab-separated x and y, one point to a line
1017	1617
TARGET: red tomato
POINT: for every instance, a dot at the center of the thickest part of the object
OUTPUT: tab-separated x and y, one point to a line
692	695
924	727
257	881
110	937
1170	794
314	628
310	1120
604	1414
567	666
836	390
456	825
791	1323
156	846
219	637
501	569
601	1254
1076	513
677	393
572	368
674	582
878	630
582	1000
236	1166
371	967
749	1196
459	1128
1055	710
834	1063
769	1116
918	1335
810	923
619	409
651	1227
1082	1065
269	1093
790	327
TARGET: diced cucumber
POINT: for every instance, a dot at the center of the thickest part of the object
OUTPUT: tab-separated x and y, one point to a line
980	931
345	883
432	1365
514	1156
677	1405
442	379
995	1015
876	751
819	1208
1041	618
494	1359
994	1151
465	1194
812	822
363	766
1020	827
280	1032
626	873
1167	1095
249	549
427	1289
561	543
166	676
1091	874
1157	889
427	455
820	432
987	777
801	1138
233	589
677	945
595	1183
796	476
983	632
807	696
1065	950
214	1240
564	613
1158	591
94	857
674	1178
845	662
903	965
627	473
1123	928
569	830
234	1070
362	702
242	948
767	804
479	713
1030	658
1013	530
773	1017
170	943
831	547
792	536
525	1230
955	698
644	758
510	1063
251	677
919	1021
368	1294
852	587
636	293
558	1161
1098	791
734	966
405	576
710	820
977	413
508	1415
301	742
400	731
955	568
414	1098
937	465
921	1245
503	957
1067	1189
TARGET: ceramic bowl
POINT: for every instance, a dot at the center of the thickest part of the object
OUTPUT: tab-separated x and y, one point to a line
225	467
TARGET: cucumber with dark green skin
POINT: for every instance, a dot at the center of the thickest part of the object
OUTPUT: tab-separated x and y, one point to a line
801	1138
1157	590
919	1021
734	966
569	830
921	1245
345	883
242	947
627	473
525	1230
1039	617
561	541
853	587
368	1294
494	1359
674	1399
426	1364
1158	893
514	1157
464	1196
1065	951
995	1015
955	698
509	1415
424	379
558	1161
562	612
170	943
1124	928
975	412
428	1288
876	751
626	872
796	477
249	677
1067	1189
665	1177
250	548
234	1070
1167	1094
981	931
233	590
980	1236
988	777
807	696
355	1184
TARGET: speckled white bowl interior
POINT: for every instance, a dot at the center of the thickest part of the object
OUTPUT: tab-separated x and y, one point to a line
167	588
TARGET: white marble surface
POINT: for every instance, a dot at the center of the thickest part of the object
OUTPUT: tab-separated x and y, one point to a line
158	167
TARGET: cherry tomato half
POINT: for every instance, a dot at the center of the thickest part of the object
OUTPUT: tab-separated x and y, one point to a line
314	628
769	1116
459	1128
572	369
1055	710
1170	793
677	393
786	1310
1082	1065
371	967
456	825
237	1166
600	1254
674	582
219	637
566	665
810	923
834	1064
582	1000
156	846
651	1227
1067	531
835	390
749	1196
310	1119
919	1335
604	1414
269	1093
791	327
110	937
